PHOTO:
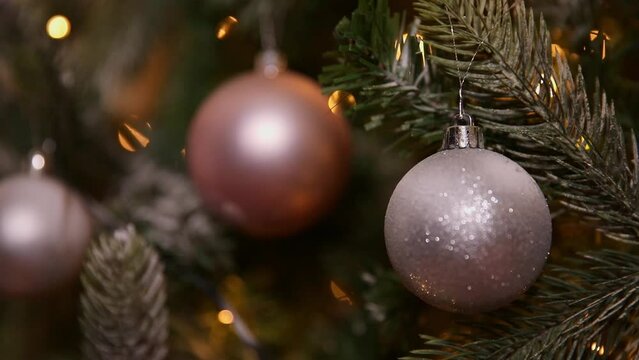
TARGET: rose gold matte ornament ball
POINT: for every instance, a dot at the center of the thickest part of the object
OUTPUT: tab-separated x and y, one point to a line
267	154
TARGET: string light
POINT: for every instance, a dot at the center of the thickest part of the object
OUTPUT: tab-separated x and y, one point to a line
599	349
340	294
37	161
582	143
557	50
131	139
420	40
58	27
225	26
340	100
594	34
399	45
553	83
225	317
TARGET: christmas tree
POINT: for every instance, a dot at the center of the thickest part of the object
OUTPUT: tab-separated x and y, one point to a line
141	219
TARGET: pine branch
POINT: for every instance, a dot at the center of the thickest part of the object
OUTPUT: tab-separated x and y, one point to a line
574	147
165	208
123	305
376	60
569	312
518	87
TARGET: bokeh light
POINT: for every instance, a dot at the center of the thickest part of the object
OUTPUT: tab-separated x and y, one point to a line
542	82
225	317
225	26
599	349
58	27
583	144
399	45
37	161
594	34
340	294
132	139
557	50
340	101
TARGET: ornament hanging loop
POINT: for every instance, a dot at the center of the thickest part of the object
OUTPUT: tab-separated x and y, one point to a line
462	113
463	133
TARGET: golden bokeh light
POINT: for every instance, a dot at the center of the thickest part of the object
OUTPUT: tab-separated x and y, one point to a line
399	45
340	294
582	143
422	50
225	317
599	349
553	84
557	50
132	139
574	57
594	34
58	27
225	26
340	101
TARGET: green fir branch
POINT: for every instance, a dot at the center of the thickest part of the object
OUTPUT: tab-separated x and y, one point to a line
569	312
123	304
572	144
576	149
385	72
518	87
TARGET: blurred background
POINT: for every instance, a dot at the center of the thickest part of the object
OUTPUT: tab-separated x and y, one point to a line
107	89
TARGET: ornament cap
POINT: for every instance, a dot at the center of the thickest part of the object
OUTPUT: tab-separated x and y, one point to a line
270	63
462	136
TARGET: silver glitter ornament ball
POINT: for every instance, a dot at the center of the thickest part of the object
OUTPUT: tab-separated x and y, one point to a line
44	232
468	230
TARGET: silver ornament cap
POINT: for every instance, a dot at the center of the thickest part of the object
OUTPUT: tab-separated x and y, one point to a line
467	229
461	136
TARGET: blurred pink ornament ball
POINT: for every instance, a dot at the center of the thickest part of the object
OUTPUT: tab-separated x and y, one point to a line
267	154
44	232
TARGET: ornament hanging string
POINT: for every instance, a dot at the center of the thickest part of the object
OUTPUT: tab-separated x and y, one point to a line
268	36
269	61
462	79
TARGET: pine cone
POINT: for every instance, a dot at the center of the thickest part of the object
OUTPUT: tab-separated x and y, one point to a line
124	316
